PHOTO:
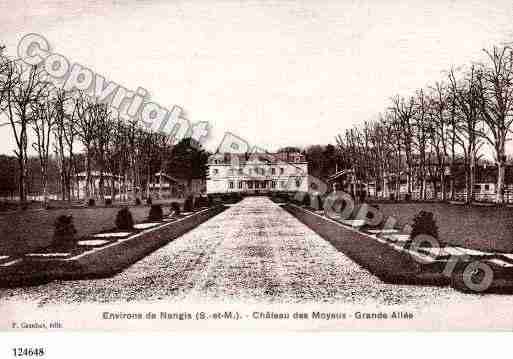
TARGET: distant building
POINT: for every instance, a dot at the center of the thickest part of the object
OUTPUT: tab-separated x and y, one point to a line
110	182
257	173
166	186
196	186
345	180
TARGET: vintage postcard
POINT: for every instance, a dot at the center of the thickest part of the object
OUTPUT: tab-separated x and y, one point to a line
256	165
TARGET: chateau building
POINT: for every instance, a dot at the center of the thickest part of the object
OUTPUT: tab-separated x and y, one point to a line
257	173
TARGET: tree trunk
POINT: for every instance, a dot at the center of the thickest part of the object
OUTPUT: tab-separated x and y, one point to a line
442	184
424	184
472	177
160	184
88	175
501	169
22	179
113	187
101	185
435	189
44	182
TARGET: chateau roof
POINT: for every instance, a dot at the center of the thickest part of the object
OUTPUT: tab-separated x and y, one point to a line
257	157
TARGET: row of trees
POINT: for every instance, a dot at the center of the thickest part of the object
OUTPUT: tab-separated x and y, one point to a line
69	127
435	132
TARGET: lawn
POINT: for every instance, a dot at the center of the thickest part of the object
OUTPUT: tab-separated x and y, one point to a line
484	228
24	231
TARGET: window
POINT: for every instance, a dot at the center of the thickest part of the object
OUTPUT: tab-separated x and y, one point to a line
282	170
487	187
250	184
240	184
273	184
230	185
240	171
215	171
298	183
273	171
256	184
283	184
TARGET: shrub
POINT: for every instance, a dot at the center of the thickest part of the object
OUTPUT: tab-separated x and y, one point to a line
201	201
149	201
188	205
197	203
370	213
156	213
137	201
65	230
108	202
424	223
124	220
91	202
175	206
232	198
210	200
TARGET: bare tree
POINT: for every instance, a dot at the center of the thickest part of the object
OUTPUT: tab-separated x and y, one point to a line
44	118
116	155
103	130
439	131
4	78
384	152
496	106
65	131
86	132
21	95
421	126
404	111
467	98
132	127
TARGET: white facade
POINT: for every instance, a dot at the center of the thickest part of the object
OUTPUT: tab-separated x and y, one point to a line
257	173
109	181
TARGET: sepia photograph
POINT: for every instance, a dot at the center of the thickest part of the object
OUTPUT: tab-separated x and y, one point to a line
297	165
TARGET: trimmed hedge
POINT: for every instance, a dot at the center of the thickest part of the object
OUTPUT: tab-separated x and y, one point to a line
188	205
124	220
156	213
175	207
424	223
64	230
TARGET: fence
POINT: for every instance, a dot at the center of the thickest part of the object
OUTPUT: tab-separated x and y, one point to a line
485	197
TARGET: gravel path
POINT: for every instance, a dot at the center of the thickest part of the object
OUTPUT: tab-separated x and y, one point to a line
254	252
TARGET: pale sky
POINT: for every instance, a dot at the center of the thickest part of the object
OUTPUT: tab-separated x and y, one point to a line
274	72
